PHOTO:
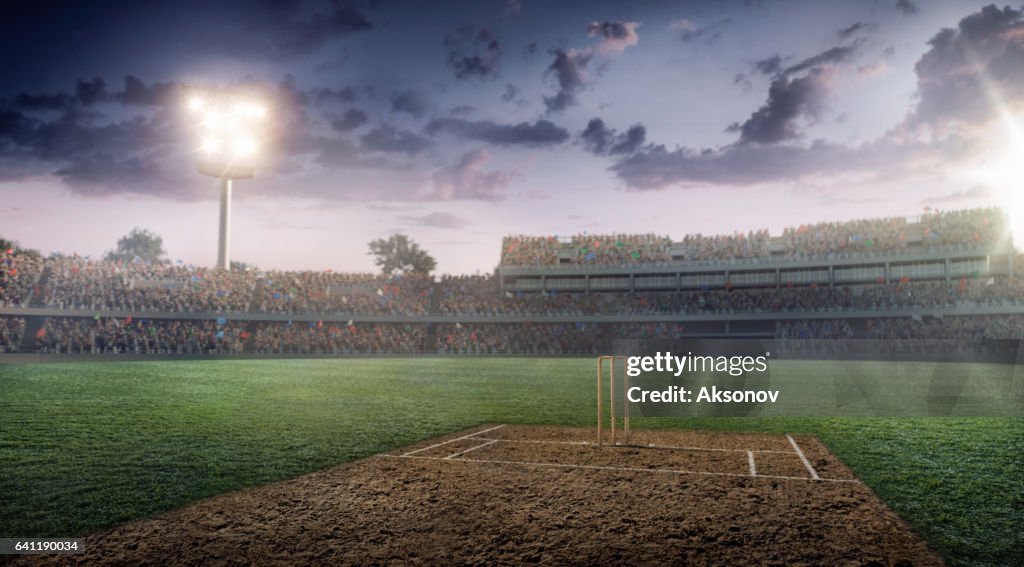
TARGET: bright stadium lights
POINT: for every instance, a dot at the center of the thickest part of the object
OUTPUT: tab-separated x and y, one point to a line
1002	172
228	126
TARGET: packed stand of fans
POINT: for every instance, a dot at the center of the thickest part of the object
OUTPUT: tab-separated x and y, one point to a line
342	293
825	240
973	291
649	330
622	249
19	273
969	226
110	335
518	338
482	296
965	327
11	330
845	239
78	283
697	248
334	338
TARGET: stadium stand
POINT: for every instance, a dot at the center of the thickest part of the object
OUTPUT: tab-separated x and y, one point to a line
947	275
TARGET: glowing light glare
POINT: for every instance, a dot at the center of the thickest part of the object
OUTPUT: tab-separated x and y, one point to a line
1003	173
210	145
214	119
249	109
243	147
1007	176
196	104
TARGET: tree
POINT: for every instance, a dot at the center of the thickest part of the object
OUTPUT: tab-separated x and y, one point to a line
6	245
139	243
399	253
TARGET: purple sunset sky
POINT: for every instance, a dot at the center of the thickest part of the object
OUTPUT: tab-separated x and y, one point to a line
459	122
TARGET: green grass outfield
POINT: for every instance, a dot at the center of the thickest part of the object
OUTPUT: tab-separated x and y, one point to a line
86	446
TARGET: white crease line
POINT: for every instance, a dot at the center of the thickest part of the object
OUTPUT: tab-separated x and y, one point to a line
537	441
750	460
622	469
638	446
450	441
460	453
810	469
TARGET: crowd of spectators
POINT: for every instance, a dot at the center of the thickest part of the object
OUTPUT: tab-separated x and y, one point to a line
955	327
621	249
702	249
814	329
838	239
968	226
329	338
11	330
108	335
78	283
649	330
825	240
482	296
523	250
518	338
19	274
344	293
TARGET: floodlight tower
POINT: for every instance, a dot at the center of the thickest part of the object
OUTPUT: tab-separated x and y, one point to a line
228	125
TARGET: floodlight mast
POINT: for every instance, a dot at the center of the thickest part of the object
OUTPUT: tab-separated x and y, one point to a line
232	116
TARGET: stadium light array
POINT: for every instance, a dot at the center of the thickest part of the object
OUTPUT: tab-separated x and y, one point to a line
229	127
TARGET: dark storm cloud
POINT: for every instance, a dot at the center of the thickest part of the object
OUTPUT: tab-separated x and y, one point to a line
690	32
287	32
615	36
838	54
599	139
743	82
75	146
352	119
473	53
788	100
514	95
436	220
59	101
845	33
87	93
569	67
769	65
410	102
467	180
139	93
511	93
325	95
751	164
91	92
907	7
965	66
389	139
569	70
540	133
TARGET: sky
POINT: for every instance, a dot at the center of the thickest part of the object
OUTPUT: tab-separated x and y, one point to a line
457	123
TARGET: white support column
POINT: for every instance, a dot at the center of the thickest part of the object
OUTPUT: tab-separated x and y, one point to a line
224	244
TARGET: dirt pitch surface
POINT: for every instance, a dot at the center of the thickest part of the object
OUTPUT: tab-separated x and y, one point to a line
522	494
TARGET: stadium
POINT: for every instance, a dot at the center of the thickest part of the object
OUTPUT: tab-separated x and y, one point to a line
708	283
915	288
